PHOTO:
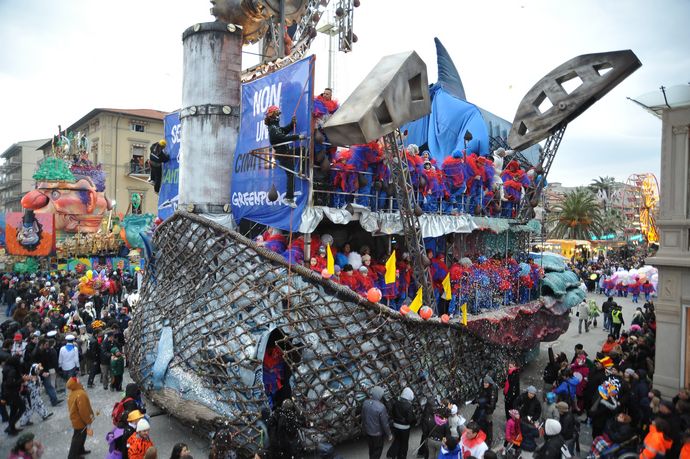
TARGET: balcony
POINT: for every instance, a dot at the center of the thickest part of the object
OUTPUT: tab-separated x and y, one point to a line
139	170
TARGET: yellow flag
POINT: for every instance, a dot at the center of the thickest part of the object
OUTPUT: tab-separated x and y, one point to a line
330	262
389	278
463	308
447	294
417	302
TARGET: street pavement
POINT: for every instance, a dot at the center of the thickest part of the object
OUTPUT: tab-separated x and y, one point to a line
56	432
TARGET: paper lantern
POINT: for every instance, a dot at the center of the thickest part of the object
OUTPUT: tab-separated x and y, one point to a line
374	295
445	318
404	310
325	274
426	312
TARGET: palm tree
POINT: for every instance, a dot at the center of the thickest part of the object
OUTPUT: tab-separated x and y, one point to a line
611	222
605	185
578	216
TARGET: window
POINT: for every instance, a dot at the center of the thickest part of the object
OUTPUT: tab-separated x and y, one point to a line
138	150
138	127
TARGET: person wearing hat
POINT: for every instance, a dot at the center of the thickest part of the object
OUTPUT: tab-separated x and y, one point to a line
18	346
81	416
403	420
280	137
140	442
486	404
117	369
129	429
553	442
568	425
32	397
375	422
528	404
157	156
68	358
26	447
513	432
456	422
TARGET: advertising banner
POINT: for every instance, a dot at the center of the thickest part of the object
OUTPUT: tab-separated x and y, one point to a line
254	169
168	195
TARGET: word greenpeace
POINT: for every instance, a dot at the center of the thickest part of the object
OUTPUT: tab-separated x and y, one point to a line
258	198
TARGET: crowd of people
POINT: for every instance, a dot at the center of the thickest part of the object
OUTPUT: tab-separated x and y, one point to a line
53	335
611	389
480	282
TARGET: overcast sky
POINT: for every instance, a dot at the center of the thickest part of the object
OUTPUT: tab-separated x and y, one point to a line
60	59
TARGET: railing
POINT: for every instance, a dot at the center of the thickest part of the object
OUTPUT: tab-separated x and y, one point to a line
139	169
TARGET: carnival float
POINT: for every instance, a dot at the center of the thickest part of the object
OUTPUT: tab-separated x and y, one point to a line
68	223
227	324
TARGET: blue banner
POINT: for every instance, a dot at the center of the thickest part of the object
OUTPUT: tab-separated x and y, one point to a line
291	89
168	195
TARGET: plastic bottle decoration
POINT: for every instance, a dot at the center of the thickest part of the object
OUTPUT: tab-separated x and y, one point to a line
374	295
325	274
445	318
426	312
404	310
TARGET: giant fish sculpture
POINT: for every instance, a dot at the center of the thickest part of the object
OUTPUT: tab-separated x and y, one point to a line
219	306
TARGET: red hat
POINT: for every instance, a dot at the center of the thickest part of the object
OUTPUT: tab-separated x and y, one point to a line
18	337
272	110
606	362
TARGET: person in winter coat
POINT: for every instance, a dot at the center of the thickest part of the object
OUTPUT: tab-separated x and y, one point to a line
472	441
288	420
427	424
513	432
32	397
279	136
550	410
403	420
117	368
68	359
106	347
553	442
530	435
604	407
456	423
140	442
511	389
81	415
375	422
617	320
583	316
569	426
528	404
550	375
12	381
567	389
450	449
439	431
657	442
486	404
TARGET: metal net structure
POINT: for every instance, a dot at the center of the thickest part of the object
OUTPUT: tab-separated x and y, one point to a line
214	301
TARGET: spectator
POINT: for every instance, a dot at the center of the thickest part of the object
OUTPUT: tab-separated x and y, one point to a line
140	442
81	416
553	442
12	381
472	441
26	448
179	451
403	420
375	422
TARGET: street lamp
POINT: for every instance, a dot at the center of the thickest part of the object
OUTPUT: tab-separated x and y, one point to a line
331	30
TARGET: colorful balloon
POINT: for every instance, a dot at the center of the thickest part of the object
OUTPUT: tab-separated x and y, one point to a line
374	295
404	310
445	318
325	274
426	312
89	274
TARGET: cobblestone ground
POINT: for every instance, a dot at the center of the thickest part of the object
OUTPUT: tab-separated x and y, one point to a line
55	433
